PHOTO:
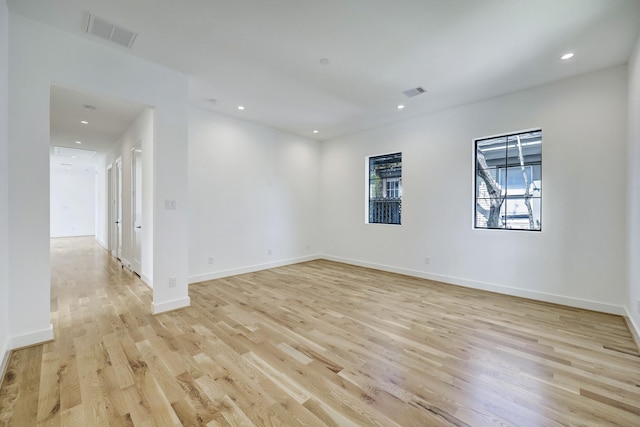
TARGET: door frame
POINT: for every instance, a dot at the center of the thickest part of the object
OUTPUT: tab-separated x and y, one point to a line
116	250
136	192
110	209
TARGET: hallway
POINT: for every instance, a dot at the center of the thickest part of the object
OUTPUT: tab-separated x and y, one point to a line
93	303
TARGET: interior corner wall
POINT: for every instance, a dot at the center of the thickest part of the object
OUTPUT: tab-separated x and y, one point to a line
139	132
40	56
633	159
579	256
101	203
72	202
254	196
4	188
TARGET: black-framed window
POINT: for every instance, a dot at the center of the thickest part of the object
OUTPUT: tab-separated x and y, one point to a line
508	181
385	189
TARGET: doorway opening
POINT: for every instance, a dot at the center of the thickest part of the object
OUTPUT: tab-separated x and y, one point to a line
108	140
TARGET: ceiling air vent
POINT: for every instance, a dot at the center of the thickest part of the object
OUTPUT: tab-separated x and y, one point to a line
410	93
108	31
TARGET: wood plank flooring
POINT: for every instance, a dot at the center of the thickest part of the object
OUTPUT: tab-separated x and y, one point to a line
315	344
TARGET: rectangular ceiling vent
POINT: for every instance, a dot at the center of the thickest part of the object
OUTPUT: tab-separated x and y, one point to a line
106	30
410	93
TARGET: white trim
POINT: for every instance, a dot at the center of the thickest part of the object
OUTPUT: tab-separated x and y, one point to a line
367	190
475	174
5	353
633	328
32	338
171	305
147	281
367	186
109	181
132	182
491	287
250	269
103	244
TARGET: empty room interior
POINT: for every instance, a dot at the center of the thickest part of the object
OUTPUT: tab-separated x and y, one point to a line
336	213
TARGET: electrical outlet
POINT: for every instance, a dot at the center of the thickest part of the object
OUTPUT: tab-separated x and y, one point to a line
210	260
427	260
172	282
639	306
170	204
308	247
269	251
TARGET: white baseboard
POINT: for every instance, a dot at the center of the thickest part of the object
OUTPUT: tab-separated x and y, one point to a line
633	327
64	236
32	338
147	281
125	263
501	289
163	307
249	269
5	352
103	244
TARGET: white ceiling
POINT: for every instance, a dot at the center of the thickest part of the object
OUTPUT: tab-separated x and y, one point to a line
266	55
107	119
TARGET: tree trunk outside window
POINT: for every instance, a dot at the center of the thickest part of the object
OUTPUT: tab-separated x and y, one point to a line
494	190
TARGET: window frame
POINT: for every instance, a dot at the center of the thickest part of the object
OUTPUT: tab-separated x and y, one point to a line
367	198
474	179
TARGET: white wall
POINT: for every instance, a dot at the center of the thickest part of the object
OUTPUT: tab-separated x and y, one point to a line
4	188
101	203
139	132
252	189
38	57
578	258
633	158
73	201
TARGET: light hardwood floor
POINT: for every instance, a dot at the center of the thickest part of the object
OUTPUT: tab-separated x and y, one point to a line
318	343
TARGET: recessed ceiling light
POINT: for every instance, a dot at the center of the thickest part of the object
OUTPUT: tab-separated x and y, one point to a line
567	55
73	157
89	107
78	142
212	101
315	131
325	61
84	122
400	107
240	107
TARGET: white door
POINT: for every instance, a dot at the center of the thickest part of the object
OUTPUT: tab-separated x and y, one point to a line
136	208
110	210
118	209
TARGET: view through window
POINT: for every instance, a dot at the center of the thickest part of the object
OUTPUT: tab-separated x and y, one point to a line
508	181
385	189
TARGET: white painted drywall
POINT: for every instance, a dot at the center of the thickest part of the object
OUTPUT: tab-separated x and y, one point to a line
633	159
254	195
101	203
38	57
73	201
4	187
578	258
139	132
